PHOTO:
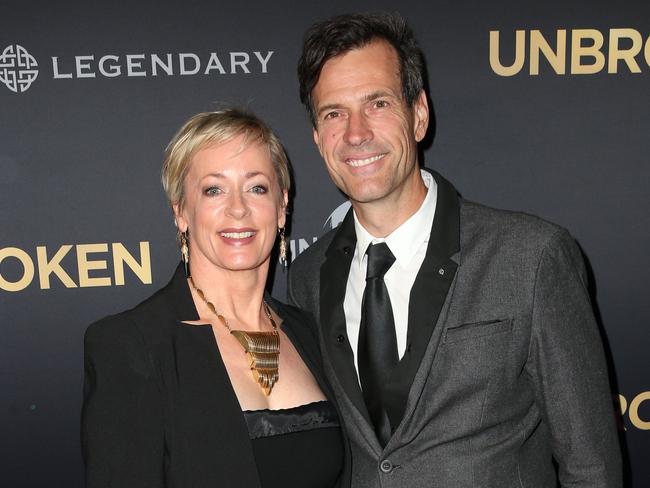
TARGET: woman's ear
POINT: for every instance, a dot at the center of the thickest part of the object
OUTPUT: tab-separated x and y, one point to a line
181	223
282	211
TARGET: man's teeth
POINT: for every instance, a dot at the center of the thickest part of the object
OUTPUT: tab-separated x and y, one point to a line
237	235
362	162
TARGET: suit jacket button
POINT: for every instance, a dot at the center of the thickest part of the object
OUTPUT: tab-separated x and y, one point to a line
340	338
347	250
386	466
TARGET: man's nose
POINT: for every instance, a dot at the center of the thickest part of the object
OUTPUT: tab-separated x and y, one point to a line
358	131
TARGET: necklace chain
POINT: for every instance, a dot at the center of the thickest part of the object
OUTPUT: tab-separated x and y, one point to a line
223	319
262	348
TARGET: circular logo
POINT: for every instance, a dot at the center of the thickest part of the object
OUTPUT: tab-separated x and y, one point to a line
17	68
337	216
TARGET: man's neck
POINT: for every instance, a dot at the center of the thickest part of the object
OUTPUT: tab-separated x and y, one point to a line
382	217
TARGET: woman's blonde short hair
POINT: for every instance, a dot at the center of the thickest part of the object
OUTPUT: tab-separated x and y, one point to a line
208	128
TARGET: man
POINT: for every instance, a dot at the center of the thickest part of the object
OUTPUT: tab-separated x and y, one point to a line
459	339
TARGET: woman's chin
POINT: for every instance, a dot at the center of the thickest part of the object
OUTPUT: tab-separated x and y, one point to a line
243	263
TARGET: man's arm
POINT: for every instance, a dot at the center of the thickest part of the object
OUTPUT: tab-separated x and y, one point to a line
567	365
304	278
292	297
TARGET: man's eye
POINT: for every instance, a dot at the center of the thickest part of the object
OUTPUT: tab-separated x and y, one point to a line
381	104
213	190
331	115
261	189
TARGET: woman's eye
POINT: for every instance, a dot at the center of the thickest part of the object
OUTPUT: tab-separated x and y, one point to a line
261	189
213	190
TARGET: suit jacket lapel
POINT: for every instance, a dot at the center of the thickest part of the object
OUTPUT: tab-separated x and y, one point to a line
437	271
428	295
333	279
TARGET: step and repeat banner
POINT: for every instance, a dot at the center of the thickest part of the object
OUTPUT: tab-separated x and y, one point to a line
538	106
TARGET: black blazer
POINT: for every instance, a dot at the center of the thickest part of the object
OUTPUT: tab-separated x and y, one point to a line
159	409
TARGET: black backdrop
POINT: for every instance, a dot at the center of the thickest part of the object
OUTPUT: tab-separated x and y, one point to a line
82	135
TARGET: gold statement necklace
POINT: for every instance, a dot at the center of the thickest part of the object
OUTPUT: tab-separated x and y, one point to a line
262	348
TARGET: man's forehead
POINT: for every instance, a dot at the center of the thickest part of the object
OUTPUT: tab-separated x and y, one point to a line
377	49
366	71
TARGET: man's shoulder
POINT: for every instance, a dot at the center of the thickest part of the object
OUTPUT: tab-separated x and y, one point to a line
314	255
304	273
291	315
481	221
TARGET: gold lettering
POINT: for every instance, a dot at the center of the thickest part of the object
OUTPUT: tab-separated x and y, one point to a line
646	51
578	51
46	268
627	55
557	59
121	257
28	269
520	54
85	265
623	402
634	411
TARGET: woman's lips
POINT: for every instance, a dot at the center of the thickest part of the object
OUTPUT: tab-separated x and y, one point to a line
237	236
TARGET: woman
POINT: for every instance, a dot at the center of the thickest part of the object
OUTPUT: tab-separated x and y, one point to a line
210	382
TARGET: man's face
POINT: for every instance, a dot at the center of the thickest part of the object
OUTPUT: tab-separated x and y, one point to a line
365	131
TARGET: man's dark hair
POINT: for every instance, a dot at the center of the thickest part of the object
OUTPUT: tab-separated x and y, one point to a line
338	35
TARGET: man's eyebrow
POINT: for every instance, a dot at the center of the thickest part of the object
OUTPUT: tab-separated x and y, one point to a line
365	99
377	94
329	106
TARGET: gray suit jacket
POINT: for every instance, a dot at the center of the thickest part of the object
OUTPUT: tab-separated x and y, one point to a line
506	365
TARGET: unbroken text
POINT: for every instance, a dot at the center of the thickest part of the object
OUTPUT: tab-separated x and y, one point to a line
590	51
92	266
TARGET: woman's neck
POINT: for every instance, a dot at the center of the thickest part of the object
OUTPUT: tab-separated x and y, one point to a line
237	295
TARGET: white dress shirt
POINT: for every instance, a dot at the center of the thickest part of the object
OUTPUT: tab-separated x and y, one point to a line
408	243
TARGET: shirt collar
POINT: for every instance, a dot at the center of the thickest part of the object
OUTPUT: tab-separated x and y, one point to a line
408	237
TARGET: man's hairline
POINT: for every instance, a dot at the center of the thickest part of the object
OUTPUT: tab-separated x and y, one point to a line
313	114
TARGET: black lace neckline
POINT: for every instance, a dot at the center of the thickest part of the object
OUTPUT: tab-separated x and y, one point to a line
267	422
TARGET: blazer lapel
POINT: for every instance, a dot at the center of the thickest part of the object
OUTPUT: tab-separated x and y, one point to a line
333	280
437	271
205	397
428	296
301	331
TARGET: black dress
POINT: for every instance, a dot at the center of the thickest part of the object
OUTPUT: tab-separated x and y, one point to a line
297	447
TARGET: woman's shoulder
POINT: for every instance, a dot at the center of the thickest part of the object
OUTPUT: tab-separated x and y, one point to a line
152	318
297	321
291	315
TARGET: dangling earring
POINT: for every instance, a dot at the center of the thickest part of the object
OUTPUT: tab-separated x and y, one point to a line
283	247
185	253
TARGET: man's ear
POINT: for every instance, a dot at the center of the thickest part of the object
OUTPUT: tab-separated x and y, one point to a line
421	116
317	140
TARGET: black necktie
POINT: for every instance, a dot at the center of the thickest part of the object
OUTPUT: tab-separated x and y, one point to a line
377	353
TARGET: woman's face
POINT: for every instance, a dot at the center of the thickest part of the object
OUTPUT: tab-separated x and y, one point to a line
233	207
